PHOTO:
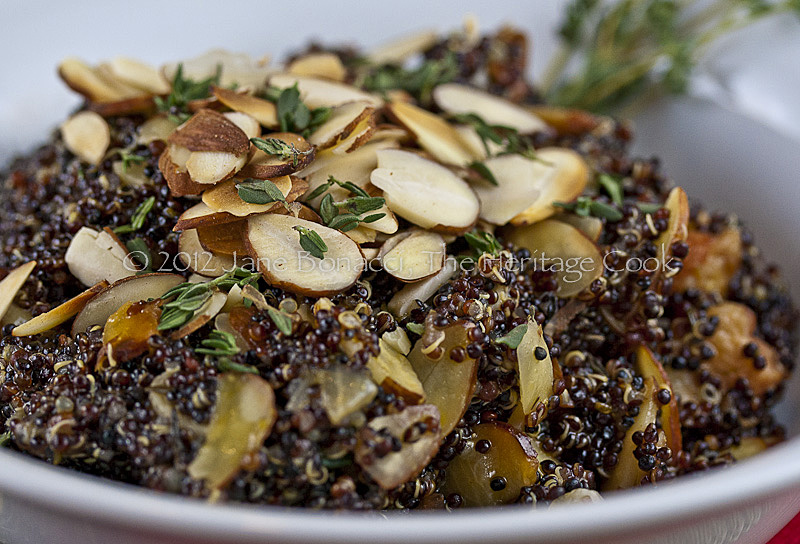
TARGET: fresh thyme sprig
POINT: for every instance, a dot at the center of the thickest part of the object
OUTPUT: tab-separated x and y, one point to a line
509	139
311	241
279	148
128	157
138	218
260	191
586	206
418	82
293	114
185	90
219	344
612	186
483	242
514	336
628	49
347	214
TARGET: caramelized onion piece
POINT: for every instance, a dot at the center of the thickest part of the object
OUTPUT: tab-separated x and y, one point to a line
243	418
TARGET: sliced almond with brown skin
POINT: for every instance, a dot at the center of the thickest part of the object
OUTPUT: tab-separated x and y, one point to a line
132	289
87	135
248	123
342	122
577	261
201	215
12	283
433	134
208	130
565	120
456	98
324	65
398	467
526	188
142	104
225	239
275	246
406	298
201	261
178	180
93	257
263	166
425	192
399	50
261	110
202	316
224	197
317	92
416	257
139	75
60	314
361	136
392	371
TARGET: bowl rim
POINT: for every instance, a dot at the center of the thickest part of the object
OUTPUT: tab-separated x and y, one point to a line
92	498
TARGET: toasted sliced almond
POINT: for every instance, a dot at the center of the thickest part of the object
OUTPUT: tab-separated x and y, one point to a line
361	136
227	239
456	98
526	188
398	467
566	121
263	166
209	167
84	79
343	121
93	257
416	257
12	283
317	93
248	123
259	109
575	259
201	261
132	289
236	69
201	215
535	374
208	130
178	180
131	175
387	224
399	50
87	135
362	234
406	298
433	134
591	226
678	226
324	65
203	315
142	104
392	371
275	245
139	75
224	197
58	315
649	367
425	192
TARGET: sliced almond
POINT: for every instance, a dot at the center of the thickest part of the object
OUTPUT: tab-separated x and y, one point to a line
591	226
318	93
139	75
236	69
387	224
142	104
132	175
650	368
202	316
456	98
433	134
475	144
362	234
406	298
565	120
416	257
526	188
575	259
201	261
392	371
397	340
209	167
224	197
259	109
176	176
678	226
425	192
535	374
201	215
87	135
208	130
263	166
58	315
93	257
398	467
132	289
343	121
12	283
399	50
227	239
84	79
275	245
247	123
324	65
361	136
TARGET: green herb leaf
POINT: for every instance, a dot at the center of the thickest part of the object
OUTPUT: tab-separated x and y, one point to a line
281	320
649	207
5	438
418	82
613	187
219	344
514	337
483	242
184	91
340	462
279	148
416	328
138	218
361	204
140	252
585	206
311	242
129	158
259	191
484	172
327	209
226	365
293	114
319	191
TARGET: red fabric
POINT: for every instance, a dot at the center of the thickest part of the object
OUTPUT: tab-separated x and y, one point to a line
790	534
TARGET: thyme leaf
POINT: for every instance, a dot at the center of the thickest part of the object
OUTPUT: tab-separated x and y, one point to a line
259	191
138	218
514	337
311	241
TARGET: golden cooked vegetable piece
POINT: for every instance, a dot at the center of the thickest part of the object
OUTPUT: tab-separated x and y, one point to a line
712	261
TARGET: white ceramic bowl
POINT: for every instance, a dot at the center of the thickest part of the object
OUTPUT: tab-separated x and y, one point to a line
728	160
